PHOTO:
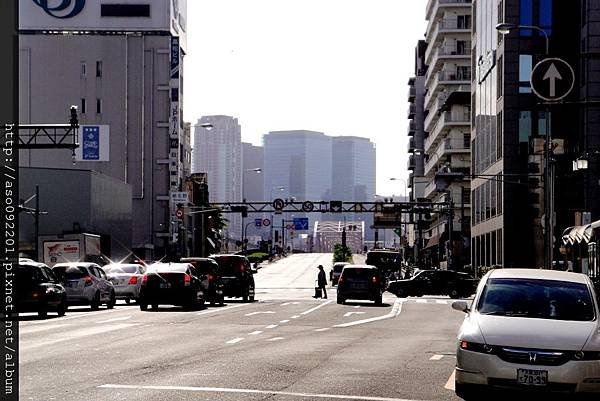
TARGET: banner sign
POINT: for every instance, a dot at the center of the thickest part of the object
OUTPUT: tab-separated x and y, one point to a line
94	143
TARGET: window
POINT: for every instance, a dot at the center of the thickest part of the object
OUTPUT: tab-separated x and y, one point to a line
499	192
499	134
98	106
463	73
526	16
500	77
524	126
542	127
98	68
83	70
500	19
546	16
525	67
83	105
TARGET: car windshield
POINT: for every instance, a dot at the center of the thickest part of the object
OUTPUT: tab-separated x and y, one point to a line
338	268
357	273
541	299
70	272
122	269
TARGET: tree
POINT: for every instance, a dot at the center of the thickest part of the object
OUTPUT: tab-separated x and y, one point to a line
341	253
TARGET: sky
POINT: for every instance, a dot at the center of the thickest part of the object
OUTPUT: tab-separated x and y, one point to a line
335	66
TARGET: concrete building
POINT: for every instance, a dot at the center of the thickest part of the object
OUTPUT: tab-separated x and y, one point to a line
253	188
121	64
447	126
218	152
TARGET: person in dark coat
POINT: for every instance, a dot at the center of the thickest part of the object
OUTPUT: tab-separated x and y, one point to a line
322	281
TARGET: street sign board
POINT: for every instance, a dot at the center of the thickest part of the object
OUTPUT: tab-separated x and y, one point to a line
300	223
335	206
278	204
552	79
266	222
258	222
308	206
179	213
387	215
179	197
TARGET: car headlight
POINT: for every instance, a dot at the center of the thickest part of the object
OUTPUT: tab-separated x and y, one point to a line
477	347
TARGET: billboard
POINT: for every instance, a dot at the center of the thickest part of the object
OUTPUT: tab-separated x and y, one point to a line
61	251
94	143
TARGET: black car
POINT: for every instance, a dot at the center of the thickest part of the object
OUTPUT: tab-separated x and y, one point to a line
210	268
435	282
172	284
360	282
38	290
388	262
237	276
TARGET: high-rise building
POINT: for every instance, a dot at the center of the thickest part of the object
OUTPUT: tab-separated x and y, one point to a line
218	152
121	64
447	126
253	184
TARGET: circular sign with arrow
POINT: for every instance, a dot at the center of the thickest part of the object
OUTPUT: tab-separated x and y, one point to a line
308	206
278	204
552	79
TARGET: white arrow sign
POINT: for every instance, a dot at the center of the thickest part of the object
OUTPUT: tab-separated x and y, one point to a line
258	313
353	313
552	74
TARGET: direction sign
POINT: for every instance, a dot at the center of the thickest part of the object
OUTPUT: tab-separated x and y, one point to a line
278	204
258	222
179	197
335	206
266	222
552	79
308	206
300	223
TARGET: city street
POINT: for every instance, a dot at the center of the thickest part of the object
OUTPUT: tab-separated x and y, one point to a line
285	346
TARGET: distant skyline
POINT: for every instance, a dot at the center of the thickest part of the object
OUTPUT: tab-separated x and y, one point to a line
338	66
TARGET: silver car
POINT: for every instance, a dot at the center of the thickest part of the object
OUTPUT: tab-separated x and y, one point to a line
529	330
336	271
126	278
86	284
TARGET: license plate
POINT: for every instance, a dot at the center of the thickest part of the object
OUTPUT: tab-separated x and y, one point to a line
73	284
165	285
530	377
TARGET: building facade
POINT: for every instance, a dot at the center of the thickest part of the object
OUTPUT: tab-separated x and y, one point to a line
253	188
121	64
447	130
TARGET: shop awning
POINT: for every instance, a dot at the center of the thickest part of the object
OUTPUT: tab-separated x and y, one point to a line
578	234
433	241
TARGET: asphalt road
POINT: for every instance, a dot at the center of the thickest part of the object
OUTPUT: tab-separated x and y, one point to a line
287	346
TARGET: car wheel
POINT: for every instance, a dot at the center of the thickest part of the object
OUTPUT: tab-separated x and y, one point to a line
42	312
245	296
251	297
379	301
400	293
454	294
95	302
112	301
466	391
61	309
154	307
143	306
340	300
127	301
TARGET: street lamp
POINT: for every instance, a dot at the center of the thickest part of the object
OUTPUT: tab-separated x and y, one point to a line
504	28
281	189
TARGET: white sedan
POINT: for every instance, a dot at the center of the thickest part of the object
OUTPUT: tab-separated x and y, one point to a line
529	330
126	278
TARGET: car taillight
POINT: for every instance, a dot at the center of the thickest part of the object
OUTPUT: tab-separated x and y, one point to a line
144	279
186	279
88	281
35	294
211	277
242	268
340	280
133	280
374	279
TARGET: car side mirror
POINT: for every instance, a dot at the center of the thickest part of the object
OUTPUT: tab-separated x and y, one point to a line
461	306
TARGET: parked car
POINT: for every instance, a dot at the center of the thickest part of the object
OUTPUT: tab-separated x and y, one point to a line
86	284
360	282
529	329
335	272
38	290
237	276
434	282
214	284
126	278
172	284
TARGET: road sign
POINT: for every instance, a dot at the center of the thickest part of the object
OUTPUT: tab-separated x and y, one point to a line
179	197
179	213
289	226
398	232
335	206
258	222
278	204
266	222
300	223
308	206
552	79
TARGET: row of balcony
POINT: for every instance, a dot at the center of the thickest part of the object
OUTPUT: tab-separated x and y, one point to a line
446	26
446	78
446	52
412	127
436	6
447	147
447	121
432	192
411	110
412	92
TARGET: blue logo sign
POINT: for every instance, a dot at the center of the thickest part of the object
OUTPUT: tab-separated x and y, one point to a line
58	9
91	143
300	223
258	222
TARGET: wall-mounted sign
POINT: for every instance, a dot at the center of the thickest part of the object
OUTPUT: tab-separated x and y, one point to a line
94	143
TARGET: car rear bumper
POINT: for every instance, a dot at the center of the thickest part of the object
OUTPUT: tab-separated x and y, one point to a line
491	371
359	294
172	296
123	292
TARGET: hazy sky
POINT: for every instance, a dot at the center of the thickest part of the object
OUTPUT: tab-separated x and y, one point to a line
336	66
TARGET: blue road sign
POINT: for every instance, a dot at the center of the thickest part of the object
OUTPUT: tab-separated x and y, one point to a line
300	223
258	222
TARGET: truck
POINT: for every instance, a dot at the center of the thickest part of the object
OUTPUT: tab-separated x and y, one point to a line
61	248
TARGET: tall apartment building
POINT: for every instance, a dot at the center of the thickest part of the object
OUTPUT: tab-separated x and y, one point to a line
447	126
121	64
218	152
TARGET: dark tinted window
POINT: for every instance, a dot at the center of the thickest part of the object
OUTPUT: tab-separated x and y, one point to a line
205	266
541	299
70	272
358	273
384	259
125	10
28	275
338	268
230	265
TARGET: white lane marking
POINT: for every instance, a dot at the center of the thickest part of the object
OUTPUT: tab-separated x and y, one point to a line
436	357
275	339
306	312
95	313
249	391
30	330
290	303
295	317
396	309
324	329
116	319
421	301
450	383
258	313
283	321
79	333
255	332
441	301
271	326
235	340
206	312
357	306
347	314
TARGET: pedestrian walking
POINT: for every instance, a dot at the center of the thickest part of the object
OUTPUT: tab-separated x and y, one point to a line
322	280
